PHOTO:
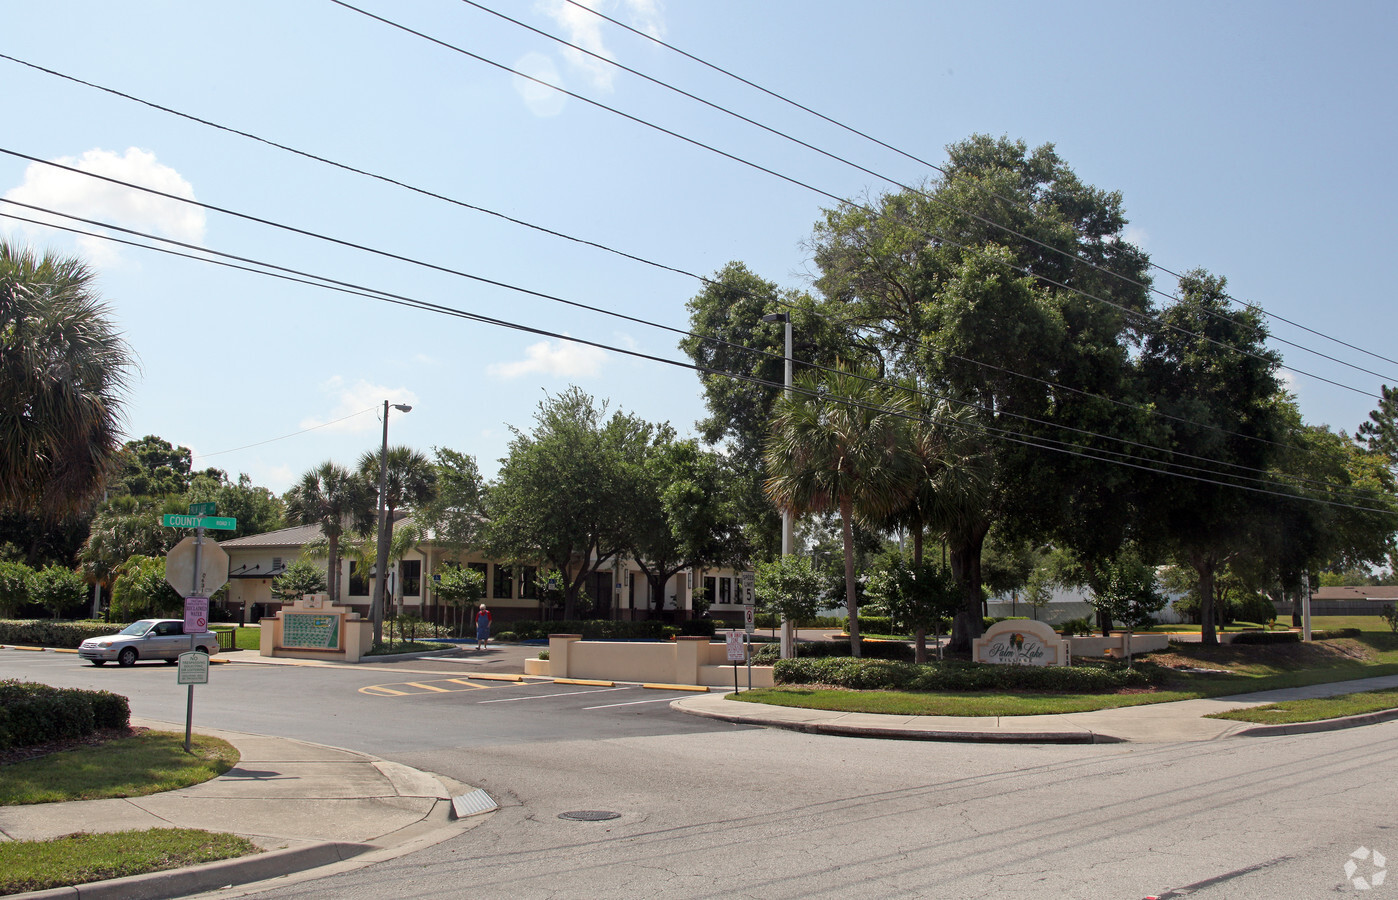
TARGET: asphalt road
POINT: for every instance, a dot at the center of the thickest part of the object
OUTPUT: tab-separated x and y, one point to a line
713	810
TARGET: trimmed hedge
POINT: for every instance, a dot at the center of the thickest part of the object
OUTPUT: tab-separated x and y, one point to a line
1332	633
892	650
772	620
1267	637
36	713
592	629
52	633
958	675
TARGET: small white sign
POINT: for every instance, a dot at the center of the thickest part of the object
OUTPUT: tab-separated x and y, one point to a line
749	618
737	650
747	580
193	668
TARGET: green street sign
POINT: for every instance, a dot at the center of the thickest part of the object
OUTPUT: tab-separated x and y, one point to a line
214	523
203	509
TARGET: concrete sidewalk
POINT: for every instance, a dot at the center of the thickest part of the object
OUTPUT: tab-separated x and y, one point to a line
1158	722
309	806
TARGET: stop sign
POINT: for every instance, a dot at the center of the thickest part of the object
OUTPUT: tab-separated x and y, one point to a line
213	568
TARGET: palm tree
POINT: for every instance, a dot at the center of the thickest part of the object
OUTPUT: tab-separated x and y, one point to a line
837	443
334	498
411	480
63	378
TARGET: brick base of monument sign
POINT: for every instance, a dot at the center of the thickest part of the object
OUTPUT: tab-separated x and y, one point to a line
1021	642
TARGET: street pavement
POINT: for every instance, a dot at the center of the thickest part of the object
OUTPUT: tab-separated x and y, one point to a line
317	810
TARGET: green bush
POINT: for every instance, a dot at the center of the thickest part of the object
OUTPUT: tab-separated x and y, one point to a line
509	636
1333	633
772	620
1082	625
698	627
892	650
958	675
1256	608
48	633
1267	637
875	625
594	629
36	713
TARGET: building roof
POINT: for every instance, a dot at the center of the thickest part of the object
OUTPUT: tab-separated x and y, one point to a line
1359	592
295	536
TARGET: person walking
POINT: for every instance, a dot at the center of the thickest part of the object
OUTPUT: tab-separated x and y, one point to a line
482	628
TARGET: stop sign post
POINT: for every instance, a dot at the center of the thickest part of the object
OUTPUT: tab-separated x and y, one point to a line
196	571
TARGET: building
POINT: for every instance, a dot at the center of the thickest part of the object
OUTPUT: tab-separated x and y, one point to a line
619	591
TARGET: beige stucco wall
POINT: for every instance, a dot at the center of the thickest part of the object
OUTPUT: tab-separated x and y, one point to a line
687	660
1098	646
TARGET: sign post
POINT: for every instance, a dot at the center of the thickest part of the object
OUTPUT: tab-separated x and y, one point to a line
187	563
737	654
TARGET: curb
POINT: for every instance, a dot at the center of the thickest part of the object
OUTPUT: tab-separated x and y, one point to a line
1373	718
207	876
902	734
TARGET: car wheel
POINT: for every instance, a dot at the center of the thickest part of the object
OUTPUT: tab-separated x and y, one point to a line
205	650
127	657
171	662
99	662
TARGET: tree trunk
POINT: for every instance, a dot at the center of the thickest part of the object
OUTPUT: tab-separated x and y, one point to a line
1204	565
966	571
851	597
332	569
920	646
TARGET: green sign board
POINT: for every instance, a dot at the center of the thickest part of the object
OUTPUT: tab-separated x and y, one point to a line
316	631
203	509
214	523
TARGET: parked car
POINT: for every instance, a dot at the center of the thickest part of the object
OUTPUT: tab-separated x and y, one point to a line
147	639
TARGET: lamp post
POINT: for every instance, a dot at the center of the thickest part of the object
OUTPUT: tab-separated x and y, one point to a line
787	635
381	554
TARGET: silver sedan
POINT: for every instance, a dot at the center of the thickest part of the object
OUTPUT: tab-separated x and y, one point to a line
147	639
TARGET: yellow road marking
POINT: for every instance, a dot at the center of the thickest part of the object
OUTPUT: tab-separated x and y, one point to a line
382	691
427	687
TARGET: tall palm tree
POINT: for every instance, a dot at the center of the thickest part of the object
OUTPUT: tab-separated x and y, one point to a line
63	378
334	498
837	443
411	480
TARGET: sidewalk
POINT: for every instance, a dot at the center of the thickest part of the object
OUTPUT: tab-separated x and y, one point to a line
1158	722
307	805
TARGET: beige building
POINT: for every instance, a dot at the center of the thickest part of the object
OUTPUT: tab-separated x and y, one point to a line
620	590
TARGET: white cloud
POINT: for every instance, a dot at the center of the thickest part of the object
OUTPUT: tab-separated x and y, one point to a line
552	358
585	30
93	198
542	101
1136	237
353	405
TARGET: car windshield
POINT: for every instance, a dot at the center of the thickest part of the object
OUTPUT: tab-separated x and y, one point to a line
137	628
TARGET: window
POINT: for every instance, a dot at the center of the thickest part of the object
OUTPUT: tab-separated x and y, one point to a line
528	590
411	572
711	588
503	587
276	563
358	584
485	574
725	590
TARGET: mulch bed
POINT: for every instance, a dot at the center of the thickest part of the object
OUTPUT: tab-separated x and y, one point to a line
95	739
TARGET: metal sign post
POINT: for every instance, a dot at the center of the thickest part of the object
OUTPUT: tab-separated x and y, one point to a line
193	665
736	654
193	669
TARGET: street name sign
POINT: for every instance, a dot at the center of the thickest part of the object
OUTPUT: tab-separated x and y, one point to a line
203	509
213	523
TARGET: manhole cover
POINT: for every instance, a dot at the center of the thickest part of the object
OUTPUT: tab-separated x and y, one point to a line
590	815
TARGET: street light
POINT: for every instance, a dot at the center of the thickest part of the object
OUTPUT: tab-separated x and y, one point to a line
381	555
787	636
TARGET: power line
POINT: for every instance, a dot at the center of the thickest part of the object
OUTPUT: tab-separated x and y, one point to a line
798	183
269	440
931	165
552	232
284	273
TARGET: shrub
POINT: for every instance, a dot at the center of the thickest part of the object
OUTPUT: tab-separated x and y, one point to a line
1333	633
698	627
772	620
892	650
1390	615
958	675
57	589
544	654
1267	637
1256	608
1082	625
36	713
594	629
875	625
509	636
48	633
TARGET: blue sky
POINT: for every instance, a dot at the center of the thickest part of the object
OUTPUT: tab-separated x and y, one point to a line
1245	137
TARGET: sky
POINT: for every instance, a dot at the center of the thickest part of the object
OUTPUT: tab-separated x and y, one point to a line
1243	137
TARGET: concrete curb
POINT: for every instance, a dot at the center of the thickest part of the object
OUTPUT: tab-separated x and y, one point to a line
1373	718
208	876
909	734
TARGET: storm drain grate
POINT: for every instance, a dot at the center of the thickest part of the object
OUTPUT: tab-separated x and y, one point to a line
590	815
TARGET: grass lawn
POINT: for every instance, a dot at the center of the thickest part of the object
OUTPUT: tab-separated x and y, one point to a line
1292	711
243	638
1242	668
82	858
148	762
